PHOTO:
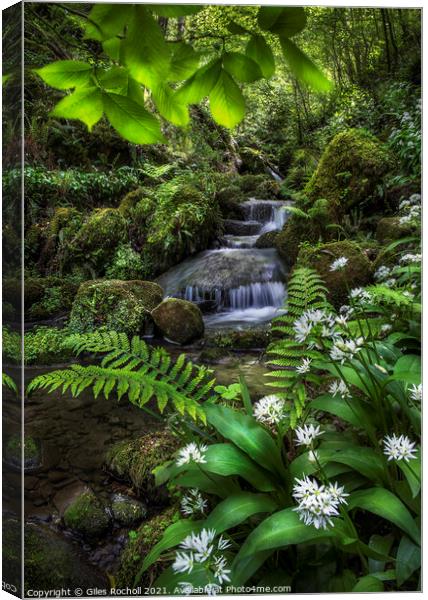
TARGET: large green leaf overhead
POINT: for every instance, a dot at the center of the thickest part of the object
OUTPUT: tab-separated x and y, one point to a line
242	67
66	74
131	119
85	105
282	21
303	68
258	50
105	21
226	101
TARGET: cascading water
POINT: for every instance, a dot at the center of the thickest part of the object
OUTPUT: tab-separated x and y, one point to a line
241	285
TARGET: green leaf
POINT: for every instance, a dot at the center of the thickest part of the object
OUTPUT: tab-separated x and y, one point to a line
283	21
114	79
236	29
227	103
131	120
172	536
146	53
409	363
175	10
237	509
350	410
381	544
364	460
412	472
135	91
386	505
368	583
241	67
107	20
258	49
66	74
112	48
247	434
168	105
85	105
200	84
245	393
281	529
408	559
184	62
303	68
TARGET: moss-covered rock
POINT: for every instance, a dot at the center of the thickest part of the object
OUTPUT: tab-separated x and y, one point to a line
247	339
52	562
115	304
133	461
12	453
88	516
56	238
139	545
267	240
179	320
229	199
44	297
260	186
350	168
389	229
357	272
302	167
127	511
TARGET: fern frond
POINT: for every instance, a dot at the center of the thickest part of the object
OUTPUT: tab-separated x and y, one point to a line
8	382
134	369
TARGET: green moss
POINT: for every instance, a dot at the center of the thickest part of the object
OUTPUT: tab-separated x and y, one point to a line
127	511
179	320
139	546
246	339
228	199
357	272
87	516
350	168
114	304
12	452
126	264
389	229
302	167
47	345
130	201
267	240
11	346
134	461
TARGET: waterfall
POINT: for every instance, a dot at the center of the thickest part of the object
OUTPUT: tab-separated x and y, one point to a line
252	295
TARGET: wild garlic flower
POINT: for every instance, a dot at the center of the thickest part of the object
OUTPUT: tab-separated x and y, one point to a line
346	350
411	258
342	320
416	393
310	320
270	410
201	548
339	264
192	452
382	273
339	387
390	282
313	456
193	503
346	310
360	295
317	504
386	328
304	367
415	198
307	434
399	448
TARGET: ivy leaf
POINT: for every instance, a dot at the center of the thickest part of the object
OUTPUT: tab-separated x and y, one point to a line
85	105
283	21
66	74
303	68
168	105
131	120
200	84
259	51
172	10
227	103
184	62
107	20
145	51
114	79
242	67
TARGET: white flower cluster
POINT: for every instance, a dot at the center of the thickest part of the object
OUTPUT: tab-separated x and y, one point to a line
339	264
193	503
416	393
317	504
200	548
360	295
382	273
192	452
307	434
343	350
314	321
413	208
304	367
339	387
410	258
270	410
399	447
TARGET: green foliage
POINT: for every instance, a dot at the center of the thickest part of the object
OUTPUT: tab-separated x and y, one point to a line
9	383
11	345
132	36
134	369
126	264
47	345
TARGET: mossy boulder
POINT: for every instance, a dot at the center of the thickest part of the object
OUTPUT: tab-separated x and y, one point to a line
115	304
52	562
44	297
87	516
139	545
56	238
246	339
133	461
260	186
267	240
12	453
179	320
302	166
127	511
389	229
358	271
350	169
229	199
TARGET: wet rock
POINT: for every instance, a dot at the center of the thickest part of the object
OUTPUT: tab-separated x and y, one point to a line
133	461
267	240
127	511
87	516
389	229
179	320
12	453
241	227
